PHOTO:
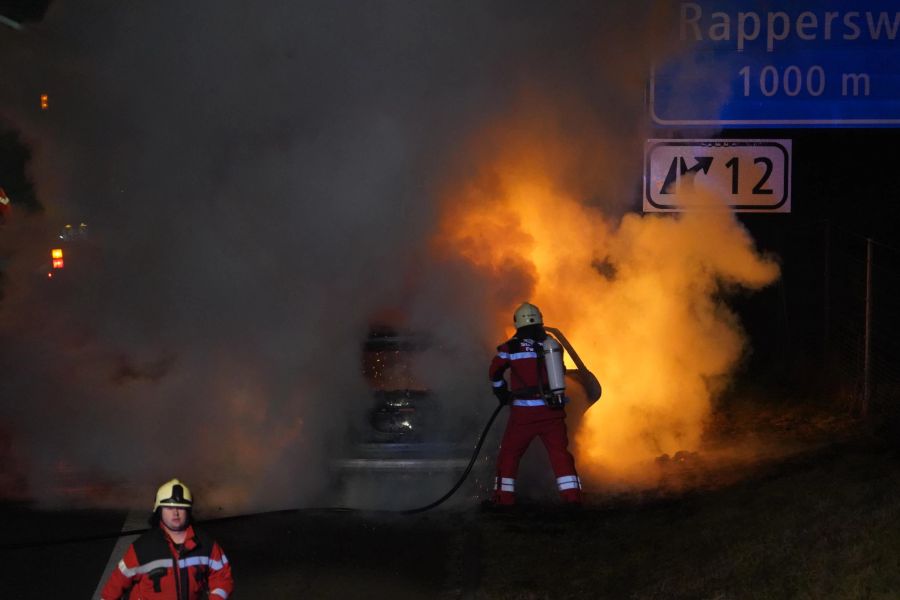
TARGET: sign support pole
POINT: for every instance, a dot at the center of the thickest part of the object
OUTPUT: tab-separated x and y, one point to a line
867	361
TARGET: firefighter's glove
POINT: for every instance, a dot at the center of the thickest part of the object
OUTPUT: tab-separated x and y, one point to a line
503	395
555	400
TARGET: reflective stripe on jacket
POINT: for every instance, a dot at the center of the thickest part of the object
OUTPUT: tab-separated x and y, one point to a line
153	568
527	371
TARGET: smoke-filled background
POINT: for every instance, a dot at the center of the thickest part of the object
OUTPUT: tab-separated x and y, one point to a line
262	181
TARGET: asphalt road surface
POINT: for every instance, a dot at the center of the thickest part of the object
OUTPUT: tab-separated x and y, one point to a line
822	523
299	554
67	570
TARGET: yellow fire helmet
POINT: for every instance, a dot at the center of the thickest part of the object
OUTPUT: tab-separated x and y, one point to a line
527	314
173	493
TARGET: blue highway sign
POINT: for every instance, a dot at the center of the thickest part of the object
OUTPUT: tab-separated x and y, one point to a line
780	64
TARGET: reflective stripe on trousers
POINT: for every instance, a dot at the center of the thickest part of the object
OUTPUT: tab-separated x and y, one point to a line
568	482
505	484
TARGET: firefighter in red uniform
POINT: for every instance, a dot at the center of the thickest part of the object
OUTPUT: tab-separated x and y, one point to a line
174	560
536	394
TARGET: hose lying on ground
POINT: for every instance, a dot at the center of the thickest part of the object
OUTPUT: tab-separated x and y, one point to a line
465	474
411	511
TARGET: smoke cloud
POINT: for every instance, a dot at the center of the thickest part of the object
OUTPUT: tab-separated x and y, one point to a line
261	181
642	298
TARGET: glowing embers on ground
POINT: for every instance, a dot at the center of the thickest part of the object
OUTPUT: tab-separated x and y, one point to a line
640	300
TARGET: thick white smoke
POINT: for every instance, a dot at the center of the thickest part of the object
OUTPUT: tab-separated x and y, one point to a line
259	180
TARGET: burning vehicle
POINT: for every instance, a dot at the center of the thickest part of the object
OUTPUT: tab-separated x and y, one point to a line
406	441
402	439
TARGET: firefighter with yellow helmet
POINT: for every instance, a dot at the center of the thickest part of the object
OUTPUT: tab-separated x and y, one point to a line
535	391
174	560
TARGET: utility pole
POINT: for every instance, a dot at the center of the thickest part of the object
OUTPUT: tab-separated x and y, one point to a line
826	335
867	352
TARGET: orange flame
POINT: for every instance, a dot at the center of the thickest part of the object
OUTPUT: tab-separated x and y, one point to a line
638	299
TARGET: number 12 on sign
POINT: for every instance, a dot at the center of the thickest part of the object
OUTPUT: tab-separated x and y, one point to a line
738	175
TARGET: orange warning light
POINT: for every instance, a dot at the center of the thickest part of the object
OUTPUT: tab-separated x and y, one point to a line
45	101
57	255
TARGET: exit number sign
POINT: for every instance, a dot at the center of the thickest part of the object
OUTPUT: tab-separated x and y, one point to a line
716	174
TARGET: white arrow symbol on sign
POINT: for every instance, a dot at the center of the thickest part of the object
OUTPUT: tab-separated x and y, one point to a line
675	173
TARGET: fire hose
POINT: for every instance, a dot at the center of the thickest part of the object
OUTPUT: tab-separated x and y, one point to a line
445	497
585	377
411	511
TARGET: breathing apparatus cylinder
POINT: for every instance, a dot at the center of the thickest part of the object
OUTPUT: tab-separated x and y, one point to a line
556	372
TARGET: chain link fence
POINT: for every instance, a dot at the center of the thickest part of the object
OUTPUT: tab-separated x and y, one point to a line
866	343
831	325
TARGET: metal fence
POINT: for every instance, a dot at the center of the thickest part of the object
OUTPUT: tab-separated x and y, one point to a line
861	318
831	324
